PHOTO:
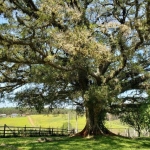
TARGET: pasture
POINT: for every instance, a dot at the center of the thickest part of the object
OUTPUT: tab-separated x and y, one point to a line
74	143
16	121
44	121
56	121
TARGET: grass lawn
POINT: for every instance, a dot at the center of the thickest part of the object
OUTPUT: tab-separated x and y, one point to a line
16	121
75	143
57	121
115	124
43	121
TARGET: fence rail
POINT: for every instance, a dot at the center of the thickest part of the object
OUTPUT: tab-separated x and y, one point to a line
12	131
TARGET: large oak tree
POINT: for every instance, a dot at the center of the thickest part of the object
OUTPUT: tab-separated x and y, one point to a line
84	51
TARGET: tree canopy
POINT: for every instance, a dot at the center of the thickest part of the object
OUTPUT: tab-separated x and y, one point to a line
84	51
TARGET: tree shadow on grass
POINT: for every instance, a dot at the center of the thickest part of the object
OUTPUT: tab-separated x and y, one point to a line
78	143
119	143
96	143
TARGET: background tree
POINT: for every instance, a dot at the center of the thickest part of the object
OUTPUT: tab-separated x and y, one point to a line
85	51
137	117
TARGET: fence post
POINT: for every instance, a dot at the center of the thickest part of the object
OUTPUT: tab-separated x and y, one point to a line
39	130
52	131
62	131
4	129
25	131
49	131
18	131
57	131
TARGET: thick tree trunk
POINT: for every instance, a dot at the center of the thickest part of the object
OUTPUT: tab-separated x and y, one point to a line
94	123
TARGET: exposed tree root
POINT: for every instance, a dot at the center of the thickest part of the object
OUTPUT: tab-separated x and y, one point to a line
88	133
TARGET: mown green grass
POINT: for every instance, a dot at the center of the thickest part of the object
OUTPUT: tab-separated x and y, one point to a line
75	143
57	121
16	121
115	124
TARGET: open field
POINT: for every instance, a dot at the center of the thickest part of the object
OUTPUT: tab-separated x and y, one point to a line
17	121
43	121
115	124
57	121
53	121
74	143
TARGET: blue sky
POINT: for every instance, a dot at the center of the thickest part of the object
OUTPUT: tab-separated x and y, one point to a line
2	19
6	104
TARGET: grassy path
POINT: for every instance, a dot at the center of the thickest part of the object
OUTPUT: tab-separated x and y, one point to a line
31	121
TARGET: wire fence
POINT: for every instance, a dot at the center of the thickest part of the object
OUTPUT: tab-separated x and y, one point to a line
129	132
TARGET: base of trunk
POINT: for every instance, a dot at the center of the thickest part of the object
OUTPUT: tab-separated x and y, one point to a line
94	131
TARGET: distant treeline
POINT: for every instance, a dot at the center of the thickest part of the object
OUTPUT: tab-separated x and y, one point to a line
11	110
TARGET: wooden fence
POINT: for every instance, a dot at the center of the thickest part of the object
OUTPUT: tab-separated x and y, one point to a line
12	131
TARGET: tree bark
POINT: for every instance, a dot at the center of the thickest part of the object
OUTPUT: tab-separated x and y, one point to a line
95	123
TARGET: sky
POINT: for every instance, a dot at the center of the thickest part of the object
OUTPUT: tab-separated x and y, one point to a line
7	104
